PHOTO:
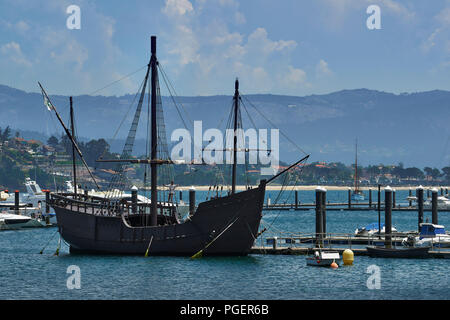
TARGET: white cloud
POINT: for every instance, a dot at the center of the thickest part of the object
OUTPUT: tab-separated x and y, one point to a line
14	53
239	18
440	33
443	17
177	7
322	69
294	78
186	45
430	42
204	51
22	26
259	40
396	8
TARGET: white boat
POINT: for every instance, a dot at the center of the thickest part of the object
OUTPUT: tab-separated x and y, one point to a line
36	198
442	203
357	194
323	259
9	221
372	230
430	235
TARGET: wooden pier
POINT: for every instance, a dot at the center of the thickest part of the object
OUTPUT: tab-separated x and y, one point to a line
306	251
363	206
373	203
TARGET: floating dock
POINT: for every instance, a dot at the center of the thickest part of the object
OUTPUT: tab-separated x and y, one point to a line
305	251
337	207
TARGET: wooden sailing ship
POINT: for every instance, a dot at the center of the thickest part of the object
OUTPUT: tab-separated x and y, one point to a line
226	225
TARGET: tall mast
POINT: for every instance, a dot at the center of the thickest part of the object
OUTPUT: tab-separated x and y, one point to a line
236	110
50	105
74	165
356	167
154	142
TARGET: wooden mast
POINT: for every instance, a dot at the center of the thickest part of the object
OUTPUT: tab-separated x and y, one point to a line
154	142
236	111
52	107
74	165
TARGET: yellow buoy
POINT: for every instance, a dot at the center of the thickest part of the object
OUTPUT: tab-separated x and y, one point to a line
347	257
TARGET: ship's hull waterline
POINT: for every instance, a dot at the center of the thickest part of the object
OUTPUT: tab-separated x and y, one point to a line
227	226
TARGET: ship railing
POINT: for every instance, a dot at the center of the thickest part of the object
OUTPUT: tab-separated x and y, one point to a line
101	206
87	204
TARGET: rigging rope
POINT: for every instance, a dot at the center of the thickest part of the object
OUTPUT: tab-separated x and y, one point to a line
124	77
273	125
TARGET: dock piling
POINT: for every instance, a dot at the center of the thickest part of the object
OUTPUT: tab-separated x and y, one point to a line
349	198
393	198
319	216
379	210
388	217
16	202
434	208
324	212
419	195
191	201
370	198
47	201
410	194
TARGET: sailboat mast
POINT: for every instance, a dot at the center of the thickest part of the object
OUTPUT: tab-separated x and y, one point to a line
236	110
356	167
154	141
74	165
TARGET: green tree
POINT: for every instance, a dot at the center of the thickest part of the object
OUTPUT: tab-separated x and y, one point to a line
6	134
53	142
446	172
428	171
435	173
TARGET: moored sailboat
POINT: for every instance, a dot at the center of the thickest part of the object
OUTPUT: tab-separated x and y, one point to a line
357	194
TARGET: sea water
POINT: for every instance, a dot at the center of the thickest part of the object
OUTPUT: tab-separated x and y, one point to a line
27	274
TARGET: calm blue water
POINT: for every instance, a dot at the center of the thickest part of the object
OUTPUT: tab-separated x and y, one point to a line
26	274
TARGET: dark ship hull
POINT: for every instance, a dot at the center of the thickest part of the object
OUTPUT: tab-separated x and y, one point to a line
226	226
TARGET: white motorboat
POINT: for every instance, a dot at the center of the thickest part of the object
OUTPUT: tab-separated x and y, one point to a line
323	259
372	230
36	198
9	221
442	203
430	235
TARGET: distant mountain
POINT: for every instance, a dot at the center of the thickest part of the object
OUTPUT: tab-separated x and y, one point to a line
413	128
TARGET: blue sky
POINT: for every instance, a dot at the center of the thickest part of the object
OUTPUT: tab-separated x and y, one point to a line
281	47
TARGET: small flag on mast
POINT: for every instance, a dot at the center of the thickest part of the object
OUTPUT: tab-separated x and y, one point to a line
47	102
